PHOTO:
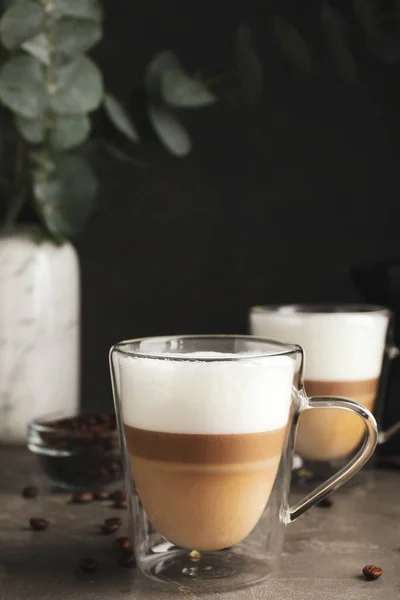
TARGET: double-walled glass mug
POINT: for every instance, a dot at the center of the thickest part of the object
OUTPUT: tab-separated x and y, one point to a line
207	427
345	346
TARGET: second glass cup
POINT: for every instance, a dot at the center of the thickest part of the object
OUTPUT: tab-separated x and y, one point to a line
345	346
207	427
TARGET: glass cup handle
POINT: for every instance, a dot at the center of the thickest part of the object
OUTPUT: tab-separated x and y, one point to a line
384	436
351	468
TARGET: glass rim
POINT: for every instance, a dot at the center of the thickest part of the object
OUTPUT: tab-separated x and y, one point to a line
286	348
322	308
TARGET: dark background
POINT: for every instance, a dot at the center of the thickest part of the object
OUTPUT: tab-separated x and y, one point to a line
276	203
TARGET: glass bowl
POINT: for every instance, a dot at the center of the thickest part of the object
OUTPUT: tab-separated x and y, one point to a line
78	452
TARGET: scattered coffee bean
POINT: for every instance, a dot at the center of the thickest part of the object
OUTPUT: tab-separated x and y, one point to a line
30	491
372	572
118	494
127	559
113	521
82	497
88	564
102	495
122	543
110	528
121	503
325	502
38	524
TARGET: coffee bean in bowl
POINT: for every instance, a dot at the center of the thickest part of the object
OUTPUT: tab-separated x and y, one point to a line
78	452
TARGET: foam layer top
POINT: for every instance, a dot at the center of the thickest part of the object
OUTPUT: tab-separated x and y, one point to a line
242	396
338	346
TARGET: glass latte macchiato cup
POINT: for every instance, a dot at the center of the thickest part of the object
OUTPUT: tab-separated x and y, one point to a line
344	349
207	426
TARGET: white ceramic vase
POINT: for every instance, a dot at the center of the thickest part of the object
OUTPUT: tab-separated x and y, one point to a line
39	330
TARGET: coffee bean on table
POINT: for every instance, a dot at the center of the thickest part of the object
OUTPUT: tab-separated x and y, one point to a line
82	497
113	521
122	543
121	503
38	524
118	494
110	528
87	564
102	495
372	572
127	559
30	491
325	502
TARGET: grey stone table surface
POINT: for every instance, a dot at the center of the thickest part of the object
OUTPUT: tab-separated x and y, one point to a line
322	559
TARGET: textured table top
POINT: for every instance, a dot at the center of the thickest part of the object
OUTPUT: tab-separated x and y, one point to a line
323	555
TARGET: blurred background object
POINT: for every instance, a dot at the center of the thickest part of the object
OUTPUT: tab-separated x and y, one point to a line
253	158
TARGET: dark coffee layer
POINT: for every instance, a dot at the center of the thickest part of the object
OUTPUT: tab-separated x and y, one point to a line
204	449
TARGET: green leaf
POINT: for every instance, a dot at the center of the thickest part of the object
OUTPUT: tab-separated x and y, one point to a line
22	86
182	90
79	9
66	131
365	12
160	63
120	118
22	20
249	68
37	47
292	44
70	37
78	88
32	130
64	190
69	131
73	37
168	129
337	45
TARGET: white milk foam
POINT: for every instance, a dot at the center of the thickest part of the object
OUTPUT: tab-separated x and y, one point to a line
338	346
242	396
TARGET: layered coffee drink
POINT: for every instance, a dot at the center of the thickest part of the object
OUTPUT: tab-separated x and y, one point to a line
343	357
205	439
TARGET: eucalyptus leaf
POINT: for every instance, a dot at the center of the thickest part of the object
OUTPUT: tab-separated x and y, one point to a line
37	47
73	37
69	131
65	195
32	130
184	91
337	45
78	88
366	14
160	63
22	20
168	129
22	86
120	118
249	68
292	44
69	38
79	9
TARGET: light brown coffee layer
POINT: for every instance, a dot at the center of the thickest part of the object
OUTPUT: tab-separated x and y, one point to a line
329	433
204	449
204	492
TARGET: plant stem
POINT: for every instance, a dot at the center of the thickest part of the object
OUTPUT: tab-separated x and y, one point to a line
18	196
48	119
19	160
